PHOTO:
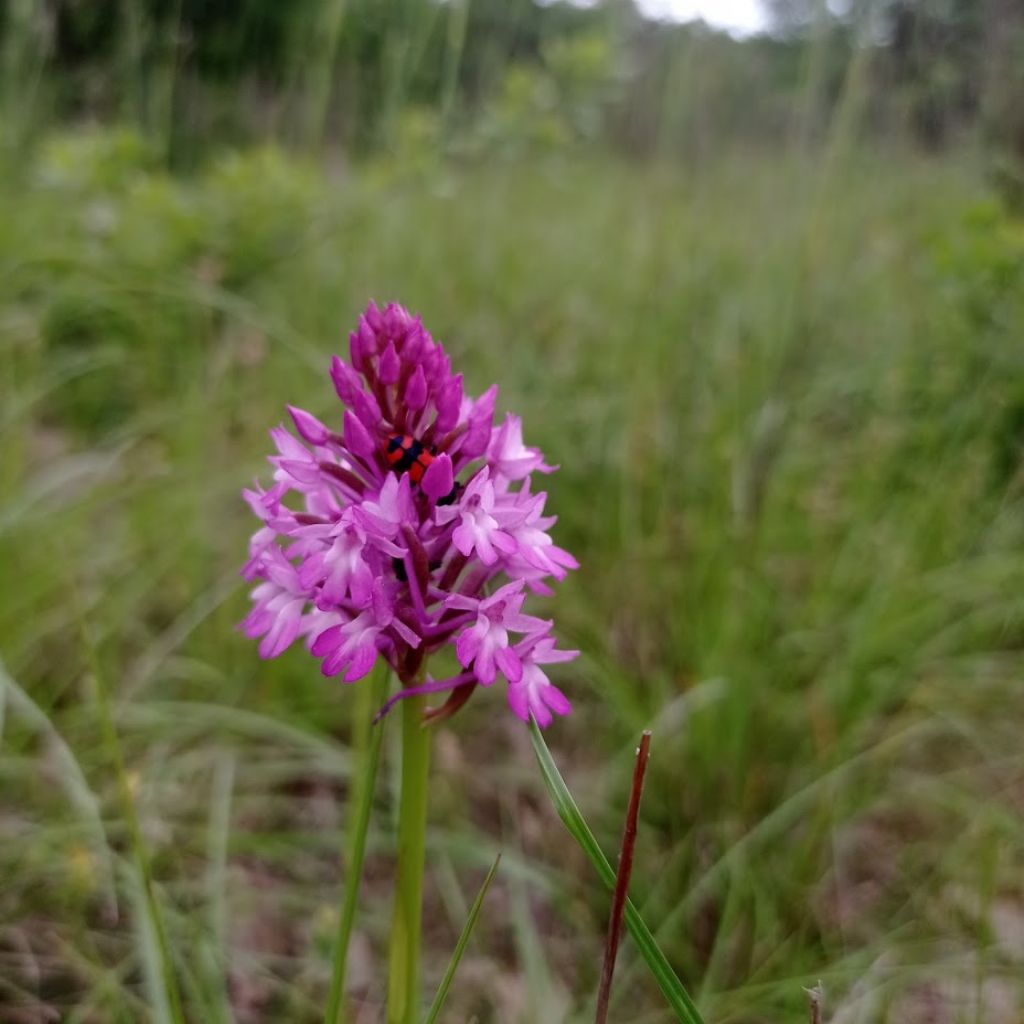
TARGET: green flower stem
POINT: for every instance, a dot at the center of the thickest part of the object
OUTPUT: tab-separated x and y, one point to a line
403	980
366	739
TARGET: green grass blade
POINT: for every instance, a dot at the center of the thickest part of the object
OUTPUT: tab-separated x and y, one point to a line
156	945
678	998
71	776
460	946
366	780
403	1006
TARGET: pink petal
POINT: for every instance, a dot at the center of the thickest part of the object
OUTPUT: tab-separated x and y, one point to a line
518	701
467	644
541	713
439	478
504	543
552	657
484	665
306	471
463	538
556	700
509	663
484	548
284	630
363	661
327	641
360	586
527	623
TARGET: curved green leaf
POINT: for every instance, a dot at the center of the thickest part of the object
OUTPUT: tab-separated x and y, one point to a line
678	998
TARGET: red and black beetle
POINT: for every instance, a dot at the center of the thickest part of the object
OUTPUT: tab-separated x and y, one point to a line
405	454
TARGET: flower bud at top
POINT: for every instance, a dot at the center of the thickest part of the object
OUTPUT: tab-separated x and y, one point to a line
374	317
309	427
362	344
357	437
366	408
390	366
416	391
346	380
449	404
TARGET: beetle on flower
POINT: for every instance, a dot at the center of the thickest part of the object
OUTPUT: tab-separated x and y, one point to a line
413	527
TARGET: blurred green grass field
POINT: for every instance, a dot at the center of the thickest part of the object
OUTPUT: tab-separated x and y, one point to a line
789	409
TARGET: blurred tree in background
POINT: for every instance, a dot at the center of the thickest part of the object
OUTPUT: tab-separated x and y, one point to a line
346	73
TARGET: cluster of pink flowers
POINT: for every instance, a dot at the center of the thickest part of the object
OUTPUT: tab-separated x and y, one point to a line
413	526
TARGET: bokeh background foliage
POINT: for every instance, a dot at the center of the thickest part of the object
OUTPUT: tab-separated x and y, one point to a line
762	299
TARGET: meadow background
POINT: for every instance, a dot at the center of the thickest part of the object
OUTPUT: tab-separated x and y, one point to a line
762	299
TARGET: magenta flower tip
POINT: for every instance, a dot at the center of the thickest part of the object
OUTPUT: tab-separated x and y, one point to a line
439	478
416	391
309	427
407	526
358	439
